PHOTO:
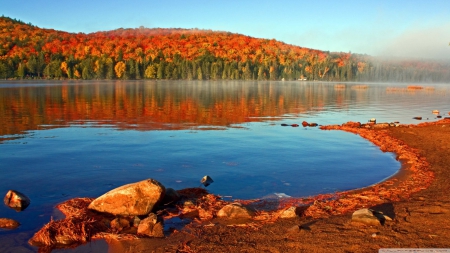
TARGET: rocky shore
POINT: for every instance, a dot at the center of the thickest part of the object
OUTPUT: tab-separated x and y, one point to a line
409	210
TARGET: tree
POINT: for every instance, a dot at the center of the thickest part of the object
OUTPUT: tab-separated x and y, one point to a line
40	64
32	65
21	71
109	68
150	72
120	69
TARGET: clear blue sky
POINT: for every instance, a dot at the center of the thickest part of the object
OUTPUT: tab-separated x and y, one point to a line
403	28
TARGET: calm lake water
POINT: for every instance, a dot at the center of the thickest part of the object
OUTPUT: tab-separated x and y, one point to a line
66	139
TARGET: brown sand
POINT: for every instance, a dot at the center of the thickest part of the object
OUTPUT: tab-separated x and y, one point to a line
421	220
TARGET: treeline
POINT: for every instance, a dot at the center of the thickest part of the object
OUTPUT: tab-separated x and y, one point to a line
30	52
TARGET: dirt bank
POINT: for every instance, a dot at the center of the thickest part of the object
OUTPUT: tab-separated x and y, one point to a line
420	218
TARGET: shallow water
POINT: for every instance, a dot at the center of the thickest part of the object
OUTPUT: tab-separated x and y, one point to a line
60	140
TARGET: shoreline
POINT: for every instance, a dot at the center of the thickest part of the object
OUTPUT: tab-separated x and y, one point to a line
419	212
413	176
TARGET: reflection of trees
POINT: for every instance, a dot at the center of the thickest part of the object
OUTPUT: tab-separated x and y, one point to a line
163	105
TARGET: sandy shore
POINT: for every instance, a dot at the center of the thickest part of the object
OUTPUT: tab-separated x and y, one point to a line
418	201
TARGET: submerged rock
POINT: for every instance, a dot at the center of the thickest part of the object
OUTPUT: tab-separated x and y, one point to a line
305	124
16	200
8	223
235	210
132	199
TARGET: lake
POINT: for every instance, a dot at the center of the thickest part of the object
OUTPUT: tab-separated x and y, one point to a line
66	139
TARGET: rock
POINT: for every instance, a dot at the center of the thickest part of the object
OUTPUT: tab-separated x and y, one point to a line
235	210
135	222
119	224
170	197
312	124
284	124
190	213
381	126
294	125
206	180
8	223
291	212
373	120
418	118
365	216
132	199
352	124
16	200
435	112
439	116
151	226
305	124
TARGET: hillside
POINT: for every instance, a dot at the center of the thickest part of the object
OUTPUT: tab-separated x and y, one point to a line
27	51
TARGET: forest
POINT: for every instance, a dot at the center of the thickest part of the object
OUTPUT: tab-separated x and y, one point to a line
30	52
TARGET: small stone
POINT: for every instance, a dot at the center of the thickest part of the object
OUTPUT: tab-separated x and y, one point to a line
352	124
119	224
418	118
16	200
235	210
189	213
206	180
151	226
294	125
8	223
291	212
135	222
313	124
305	124
365	216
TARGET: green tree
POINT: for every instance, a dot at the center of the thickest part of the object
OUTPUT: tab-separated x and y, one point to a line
32	65
21	71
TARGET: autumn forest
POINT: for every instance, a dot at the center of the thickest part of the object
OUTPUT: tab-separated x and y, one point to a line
30	52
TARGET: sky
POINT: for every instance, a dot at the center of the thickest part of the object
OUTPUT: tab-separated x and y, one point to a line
389	28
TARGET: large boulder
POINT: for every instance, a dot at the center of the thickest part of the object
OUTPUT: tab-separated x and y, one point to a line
16	200
132	199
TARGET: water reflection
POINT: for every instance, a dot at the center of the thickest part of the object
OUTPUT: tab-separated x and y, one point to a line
149	105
